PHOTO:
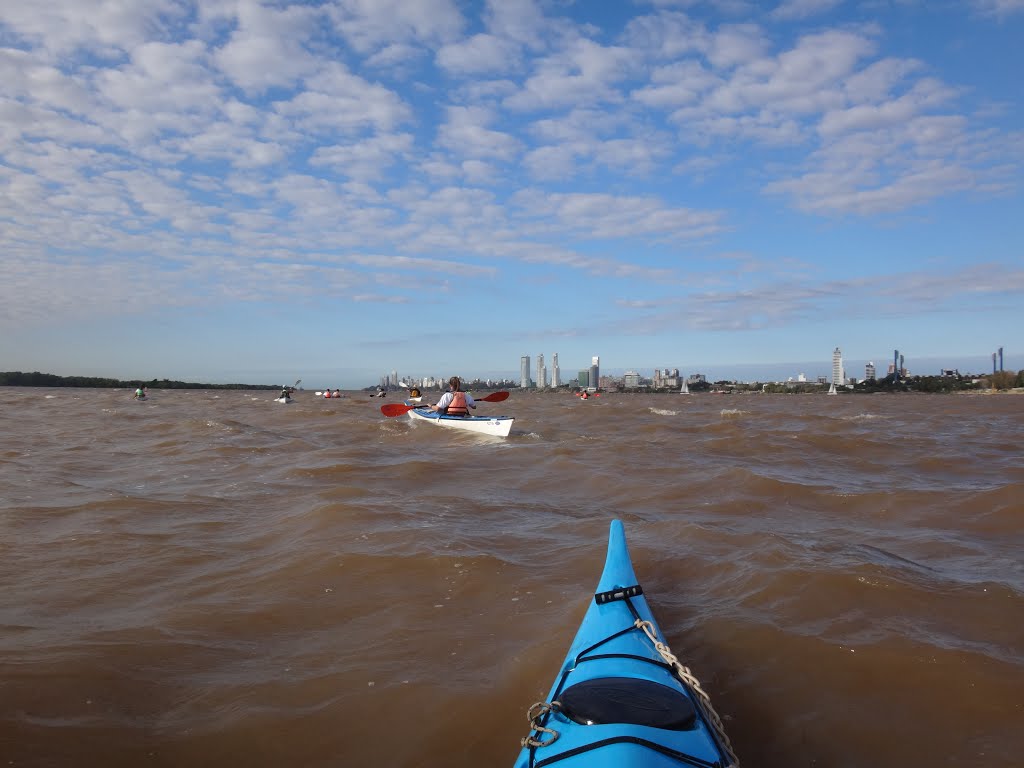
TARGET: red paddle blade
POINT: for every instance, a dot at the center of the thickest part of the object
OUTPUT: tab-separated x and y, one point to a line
494	397
395	409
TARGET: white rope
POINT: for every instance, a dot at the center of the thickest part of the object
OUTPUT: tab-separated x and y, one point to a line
704	701
536	712
534	715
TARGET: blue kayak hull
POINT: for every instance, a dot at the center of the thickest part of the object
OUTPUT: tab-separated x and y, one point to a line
619	702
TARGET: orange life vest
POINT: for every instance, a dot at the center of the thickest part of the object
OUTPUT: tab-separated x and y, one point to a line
458	406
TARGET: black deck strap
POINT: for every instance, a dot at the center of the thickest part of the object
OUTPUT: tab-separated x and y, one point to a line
622	593
680	757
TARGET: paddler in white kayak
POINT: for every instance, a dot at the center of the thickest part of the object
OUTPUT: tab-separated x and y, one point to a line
454	402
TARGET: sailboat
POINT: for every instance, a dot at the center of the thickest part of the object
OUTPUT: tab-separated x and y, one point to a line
832	389
684	390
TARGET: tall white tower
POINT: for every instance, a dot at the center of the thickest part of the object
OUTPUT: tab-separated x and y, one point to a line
524	371
838	374
542	372
595	371
556	377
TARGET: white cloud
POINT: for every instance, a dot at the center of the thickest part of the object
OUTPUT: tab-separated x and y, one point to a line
779	303
877	80
480	54
398	57
789	10
595	140
583	73
552	162
368	159
226	139
339	101
891	113
804	79
161	77
369	25
610	216
852	181
103	27
521	21
466	133
666	36
442	266
268	47
737	45
677	85
999	8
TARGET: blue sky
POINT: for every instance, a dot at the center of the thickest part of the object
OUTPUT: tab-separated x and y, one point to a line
252	191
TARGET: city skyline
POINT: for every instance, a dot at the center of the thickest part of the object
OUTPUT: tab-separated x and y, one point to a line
261	192
836	369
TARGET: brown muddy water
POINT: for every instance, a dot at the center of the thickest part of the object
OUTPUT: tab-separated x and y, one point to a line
212	579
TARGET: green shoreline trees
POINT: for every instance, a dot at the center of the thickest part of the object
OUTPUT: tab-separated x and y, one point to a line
37	379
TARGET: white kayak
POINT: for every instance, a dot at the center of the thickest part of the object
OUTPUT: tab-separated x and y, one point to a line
499	426
285	400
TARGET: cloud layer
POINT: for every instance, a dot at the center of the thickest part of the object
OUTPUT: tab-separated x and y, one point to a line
175	154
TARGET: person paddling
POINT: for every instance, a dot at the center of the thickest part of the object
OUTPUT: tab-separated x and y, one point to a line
455	402
140	394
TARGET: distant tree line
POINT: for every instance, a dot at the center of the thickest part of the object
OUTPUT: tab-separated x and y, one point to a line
956	383
37	379
1001	380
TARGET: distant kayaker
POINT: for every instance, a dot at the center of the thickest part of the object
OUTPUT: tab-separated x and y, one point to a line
337	393
414	392
454	402
140	393
285	394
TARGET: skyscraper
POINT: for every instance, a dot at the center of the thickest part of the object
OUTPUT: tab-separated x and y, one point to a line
524	371
838	374
595	371
556	376
542	372
869	372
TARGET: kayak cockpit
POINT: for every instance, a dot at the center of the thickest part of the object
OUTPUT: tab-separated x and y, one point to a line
629	700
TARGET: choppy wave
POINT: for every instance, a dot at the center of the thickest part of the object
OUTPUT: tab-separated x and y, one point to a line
181	581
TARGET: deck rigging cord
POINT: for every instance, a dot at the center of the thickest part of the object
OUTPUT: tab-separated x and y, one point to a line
540	712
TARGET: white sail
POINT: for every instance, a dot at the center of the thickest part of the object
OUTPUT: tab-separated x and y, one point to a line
832	389
684	390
